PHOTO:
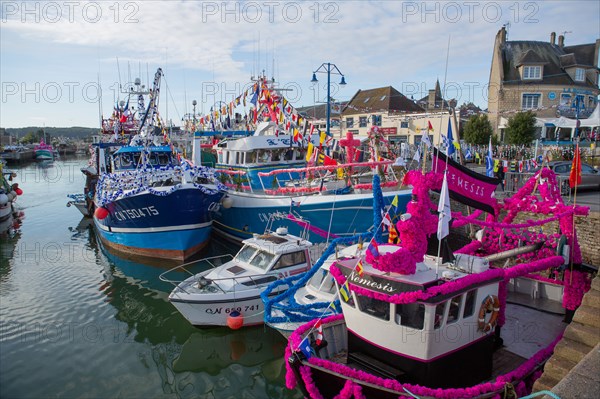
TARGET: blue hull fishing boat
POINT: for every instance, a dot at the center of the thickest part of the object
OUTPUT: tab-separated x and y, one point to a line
176	225
329	215
154	204
336	199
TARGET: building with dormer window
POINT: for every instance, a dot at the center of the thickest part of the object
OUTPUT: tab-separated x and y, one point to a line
377	107
548	78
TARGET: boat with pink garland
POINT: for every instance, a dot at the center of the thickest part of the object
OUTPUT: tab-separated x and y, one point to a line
44	151
479	324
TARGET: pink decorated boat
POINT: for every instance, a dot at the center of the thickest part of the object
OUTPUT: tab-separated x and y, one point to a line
44	151
480	323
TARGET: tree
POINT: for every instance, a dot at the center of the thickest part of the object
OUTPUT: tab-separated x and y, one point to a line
521	128
478	130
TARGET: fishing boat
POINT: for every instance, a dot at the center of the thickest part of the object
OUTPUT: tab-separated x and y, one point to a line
335	198
229	294
148	200
43	151
479	322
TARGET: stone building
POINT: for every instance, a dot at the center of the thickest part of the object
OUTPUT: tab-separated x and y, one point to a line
549	78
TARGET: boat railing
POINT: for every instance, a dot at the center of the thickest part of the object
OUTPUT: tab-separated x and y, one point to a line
235	179
319	179
213	262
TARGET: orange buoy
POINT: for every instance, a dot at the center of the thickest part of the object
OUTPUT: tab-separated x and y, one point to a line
235	320
101	213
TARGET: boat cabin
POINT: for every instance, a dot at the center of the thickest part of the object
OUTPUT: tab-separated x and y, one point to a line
435	342
262	152
128	157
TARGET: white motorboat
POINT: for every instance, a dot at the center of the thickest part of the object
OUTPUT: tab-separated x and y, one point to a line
229	294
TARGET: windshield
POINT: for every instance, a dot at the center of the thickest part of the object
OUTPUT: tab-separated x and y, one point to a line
262	259
245	254
322	281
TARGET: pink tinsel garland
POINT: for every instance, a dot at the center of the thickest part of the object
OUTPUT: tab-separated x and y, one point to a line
452	286
350	388
577	283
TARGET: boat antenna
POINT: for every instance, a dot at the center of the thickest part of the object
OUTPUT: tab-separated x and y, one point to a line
99	100
119	72
443	101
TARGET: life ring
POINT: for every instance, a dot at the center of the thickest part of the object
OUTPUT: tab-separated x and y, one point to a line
490	304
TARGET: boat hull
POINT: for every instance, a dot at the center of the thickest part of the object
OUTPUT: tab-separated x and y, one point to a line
44	154
174	226
216	313
352	213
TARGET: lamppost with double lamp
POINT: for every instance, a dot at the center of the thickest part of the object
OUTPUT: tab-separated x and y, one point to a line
328	68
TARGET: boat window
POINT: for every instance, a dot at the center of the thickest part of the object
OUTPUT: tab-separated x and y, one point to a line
287	260
454	309
317	278
220	155
289	155
136	159
237	158
152	159
163	159
226	156
125	161
245	254
262	259
264	156
410	315
439	314
470	304
374	307
250	157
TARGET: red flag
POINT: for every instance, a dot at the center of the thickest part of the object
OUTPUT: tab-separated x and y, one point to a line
329	161
429	127
575	176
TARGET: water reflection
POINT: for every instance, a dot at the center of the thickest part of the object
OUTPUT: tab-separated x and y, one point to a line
190	362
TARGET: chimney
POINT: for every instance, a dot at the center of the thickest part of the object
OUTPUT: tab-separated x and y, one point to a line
502	35
561	41
552	38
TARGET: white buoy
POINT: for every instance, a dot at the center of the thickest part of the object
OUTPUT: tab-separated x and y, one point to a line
227	202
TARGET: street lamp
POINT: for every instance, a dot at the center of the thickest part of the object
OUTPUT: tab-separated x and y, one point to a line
328	68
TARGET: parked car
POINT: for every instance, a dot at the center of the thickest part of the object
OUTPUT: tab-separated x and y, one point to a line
590	177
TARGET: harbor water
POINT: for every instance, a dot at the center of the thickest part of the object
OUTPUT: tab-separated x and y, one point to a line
79	321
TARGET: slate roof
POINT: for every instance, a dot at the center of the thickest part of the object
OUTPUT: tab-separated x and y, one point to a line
382	99
515	53
319	111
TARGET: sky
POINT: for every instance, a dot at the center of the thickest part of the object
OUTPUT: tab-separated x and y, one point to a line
64	63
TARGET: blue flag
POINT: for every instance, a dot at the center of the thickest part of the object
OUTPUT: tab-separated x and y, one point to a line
489	161
306	348
372	248
451	149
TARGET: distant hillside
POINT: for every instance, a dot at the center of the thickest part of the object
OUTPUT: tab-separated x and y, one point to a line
74	132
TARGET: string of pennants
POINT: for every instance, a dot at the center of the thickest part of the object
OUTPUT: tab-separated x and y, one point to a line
265	104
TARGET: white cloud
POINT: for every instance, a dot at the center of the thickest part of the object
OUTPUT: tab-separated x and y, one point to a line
373	43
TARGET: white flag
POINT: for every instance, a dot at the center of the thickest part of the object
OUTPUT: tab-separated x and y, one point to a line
425	140
417	156
444	210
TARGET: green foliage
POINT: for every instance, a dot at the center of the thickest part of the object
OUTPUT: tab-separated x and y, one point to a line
521	128
478	130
